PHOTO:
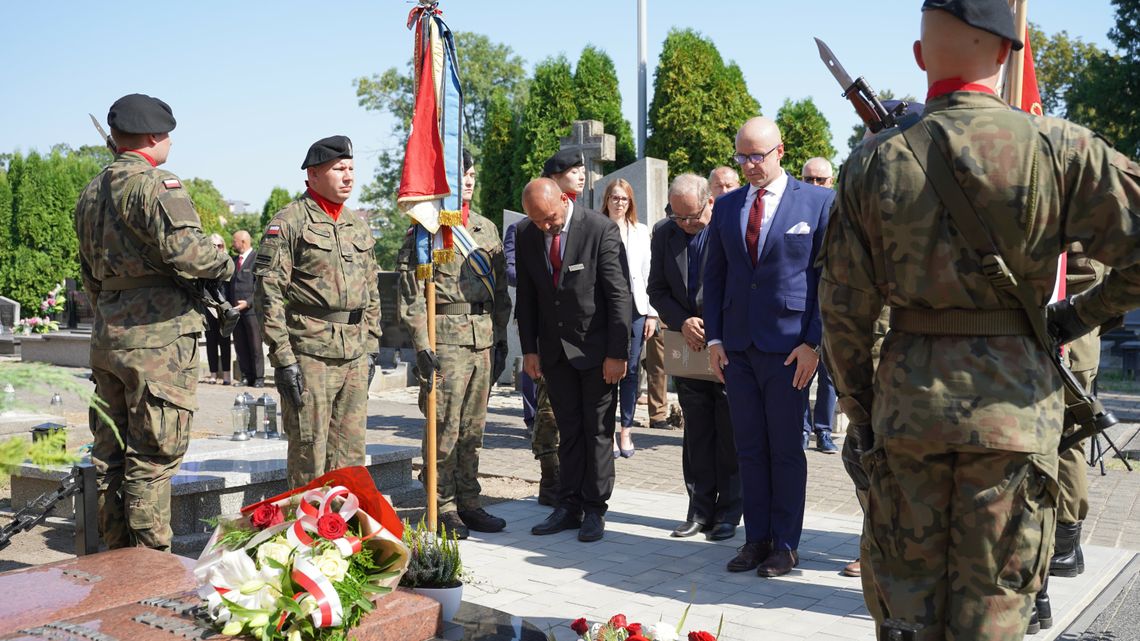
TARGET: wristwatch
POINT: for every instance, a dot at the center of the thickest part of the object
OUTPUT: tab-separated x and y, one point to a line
813	346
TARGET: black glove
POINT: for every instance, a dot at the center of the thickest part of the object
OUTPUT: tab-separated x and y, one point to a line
1064	324
290	383
426	367
858	441
373	361
500	361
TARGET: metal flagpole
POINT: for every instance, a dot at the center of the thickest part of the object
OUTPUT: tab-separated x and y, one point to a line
430	411
642	86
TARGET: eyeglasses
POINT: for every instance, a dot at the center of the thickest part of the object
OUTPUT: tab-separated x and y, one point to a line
816	180
683	219
619	199
755	159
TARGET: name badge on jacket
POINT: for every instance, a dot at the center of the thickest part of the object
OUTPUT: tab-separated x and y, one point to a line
576	268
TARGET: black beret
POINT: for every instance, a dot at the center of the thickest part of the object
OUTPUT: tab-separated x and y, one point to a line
993	16
327	149
138	113
561	161
468	161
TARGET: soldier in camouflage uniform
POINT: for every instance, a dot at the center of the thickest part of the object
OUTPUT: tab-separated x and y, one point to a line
137	232
318	303
962	471
472	311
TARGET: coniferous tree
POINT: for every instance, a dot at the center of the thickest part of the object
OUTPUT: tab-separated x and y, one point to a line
547	116
805	132
699	102
598	98
5	214
495	170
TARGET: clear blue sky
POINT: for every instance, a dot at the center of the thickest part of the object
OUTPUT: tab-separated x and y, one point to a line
253	83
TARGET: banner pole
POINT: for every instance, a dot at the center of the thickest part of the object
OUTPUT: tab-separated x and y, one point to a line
430	411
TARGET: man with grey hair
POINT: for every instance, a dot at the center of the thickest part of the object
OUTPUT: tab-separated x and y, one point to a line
708	450
722	180
818	171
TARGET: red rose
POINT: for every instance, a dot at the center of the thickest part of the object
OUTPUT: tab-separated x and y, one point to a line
701	636
267	515
618	621
634	629
331	526
580	626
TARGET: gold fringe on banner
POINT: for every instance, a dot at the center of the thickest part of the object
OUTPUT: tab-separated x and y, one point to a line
443	256
450	217
424	272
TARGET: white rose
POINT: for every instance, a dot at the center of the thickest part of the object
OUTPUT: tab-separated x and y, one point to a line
332	565
275	550
663	632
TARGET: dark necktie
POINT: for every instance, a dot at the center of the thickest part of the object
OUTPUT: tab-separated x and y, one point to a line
752	234
556	256
241	259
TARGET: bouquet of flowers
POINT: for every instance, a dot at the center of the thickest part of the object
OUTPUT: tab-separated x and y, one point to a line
306	564
618	628
53	304
35	325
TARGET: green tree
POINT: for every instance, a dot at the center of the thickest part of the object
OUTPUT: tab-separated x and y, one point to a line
496	173
1059	62
698	104
549	110
599	98
278	198
5	214
805	132
208	202
1106	96
247	222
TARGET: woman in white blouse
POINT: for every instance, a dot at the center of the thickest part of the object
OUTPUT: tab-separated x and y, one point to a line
618	204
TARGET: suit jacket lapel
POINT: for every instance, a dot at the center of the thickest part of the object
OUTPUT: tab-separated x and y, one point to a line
787	203
679	246
735	236
573	244
539	253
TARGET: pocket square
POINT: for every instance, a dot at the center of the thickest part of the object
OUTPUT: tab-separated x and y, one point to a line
800	228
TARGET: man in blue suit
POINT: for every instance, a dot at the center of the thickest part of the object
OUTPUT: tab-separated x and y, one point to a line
763	329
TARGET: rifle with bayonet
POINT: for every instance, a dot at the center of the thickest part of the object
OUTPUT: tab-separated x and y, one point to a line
207	293
1081	407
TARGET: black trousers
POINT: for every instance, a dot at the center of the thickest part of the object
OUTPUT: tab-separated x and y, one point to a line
584	407
247	344
708	453
217	347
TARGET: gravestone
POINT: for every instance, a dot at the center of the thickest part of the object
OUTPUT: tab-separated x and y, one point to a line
9	314
649	178
79	311
588	138
514	350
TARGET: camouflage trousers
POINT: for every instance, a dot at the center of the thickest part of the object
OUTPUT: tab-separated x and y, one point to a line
544	439
957	537
1072	471
151	397
327	432
461	414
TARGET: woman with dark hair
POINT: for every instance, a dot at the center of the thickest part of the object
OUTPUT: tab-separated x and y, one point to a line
619	205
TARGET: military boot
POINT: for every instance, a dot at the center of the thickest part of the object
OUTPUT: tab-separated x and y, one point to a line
1043	607
549	485
1068	558
452	525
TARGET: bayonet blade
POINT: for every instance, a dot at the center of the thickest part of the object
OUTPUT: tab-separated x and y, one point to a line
836	69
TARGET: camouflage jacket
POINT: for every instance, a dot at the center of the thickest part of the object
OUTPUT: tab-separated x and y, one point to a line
457	282
307	258
892	242
143	226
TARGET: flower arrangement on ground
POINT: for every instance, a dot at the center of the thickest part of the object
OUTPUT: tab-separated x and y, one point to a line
618	628
305	565
35	325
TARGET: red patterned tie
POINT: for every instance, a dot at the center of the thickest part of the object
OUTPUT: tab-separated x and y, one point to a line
241	259
556	257
752	234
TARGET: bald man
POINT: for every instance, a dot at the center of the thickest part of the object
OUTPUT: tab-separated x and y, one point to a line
763	331
574	310
954	434
247	334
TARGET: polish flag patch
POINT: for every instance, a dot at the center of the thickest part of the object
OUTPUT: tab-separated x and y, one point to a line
273	230
172	183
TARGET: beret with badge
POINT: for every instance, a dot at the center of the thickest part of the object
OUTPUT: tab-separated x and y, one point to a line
138	113
326	149
993	16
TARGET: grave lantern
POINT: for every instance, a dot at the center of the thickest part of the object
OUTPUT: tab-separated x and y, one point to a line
251	415
269	416
240	415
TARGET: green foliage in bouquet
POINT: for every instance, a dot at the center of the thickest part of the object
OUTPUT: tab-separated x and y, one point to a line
433	560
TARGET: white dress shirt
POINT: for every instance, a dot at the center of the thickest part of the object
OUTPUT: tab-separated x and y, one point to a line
773	193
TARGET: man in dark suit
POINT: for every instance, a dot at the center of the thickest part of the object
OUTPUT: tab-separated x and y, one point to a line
574	312
763	329
247	334
708	451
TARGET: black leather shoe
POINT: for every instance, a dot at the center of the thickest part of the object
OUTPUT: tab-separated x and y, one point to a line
778	563
687	529
480	521
749	556
593	528
453	524
560	519
721	532
259	383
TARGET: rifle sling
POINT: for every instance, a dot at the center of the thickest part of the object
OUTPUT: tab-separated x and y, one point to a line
1079	405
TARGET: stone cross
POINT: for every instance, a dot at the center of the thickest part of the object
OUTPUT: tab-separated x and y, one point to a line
588	138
